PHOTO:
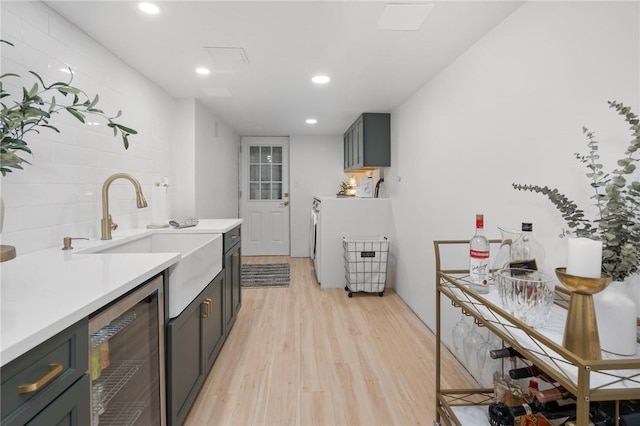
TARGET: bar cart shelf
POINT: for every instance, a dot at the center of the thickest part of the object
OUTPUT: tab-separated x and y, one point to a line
610	379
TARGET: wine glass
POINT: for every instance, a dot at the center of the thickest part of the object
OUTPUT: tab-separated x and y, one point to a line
471	345
489	365
459	332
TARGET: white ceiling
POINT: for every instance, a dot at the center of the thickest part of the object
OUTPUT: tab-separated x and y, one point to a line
286	43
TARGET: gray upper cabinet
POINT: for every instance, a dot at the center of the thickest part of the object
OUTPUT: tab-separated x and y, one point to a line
367	143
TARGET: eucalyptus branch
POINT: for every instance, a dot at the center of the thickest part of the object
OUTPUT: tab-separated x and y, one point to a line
569	209
33	112
617	200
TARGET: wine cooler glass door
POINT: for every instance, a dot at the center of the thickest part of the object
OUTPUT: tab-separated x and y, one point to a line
126	359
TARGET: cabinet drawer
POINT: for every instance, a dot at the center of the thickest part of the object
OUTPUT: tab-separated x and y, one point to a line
230	238
32	381
72	408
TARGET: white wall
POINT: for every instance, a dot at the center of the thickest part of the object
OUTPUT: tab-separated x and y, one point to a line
510	109
182	186
216	166
315	168
60	193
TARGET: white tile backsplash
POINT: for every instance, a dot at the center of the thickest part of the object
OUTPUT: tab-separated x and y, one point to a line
60	193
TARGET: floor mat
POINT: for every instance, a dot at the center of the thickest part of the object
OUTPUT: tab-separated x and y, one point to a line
265	275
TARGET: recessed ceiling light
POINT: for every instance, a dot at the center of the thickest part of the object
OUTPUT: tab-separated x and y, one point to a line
321	79
203	71
311	121
149	8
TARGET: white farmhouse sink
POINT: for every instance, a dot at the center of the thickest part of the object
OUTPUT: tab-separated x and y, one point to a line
200	261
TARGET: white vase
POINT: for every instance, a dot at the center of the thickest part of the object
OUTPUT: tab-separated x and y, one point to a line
633	289
616	316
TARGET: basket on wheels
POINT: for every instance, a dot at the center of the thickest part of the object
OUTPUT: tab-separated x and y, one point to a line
365	264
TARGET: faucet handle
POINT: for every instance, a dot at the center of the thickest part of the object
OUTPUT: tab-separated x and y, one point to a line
113	225
66	242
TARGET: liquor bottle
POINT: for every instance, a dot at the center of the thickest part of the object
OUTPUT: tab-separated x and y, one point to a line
524	372
504	353
553	394
551	410
500	415
479	259
528	253
533	390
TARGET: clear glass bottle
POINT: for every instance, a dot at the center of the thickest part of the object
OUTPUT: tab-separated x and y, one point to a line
528	252
479	259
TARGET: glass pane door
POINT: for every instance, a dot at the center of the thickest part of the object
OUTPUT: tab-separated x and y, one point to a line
265	173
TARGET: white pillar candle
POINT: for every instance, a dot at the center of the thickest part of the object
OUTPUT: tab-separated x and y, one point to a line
584	258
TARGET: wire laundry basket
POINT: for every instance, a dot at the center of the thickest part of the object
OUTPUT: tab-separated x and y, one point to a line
365	264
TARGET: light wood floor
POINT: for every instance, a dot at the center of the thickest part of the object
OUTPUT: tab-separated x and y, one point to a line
305	356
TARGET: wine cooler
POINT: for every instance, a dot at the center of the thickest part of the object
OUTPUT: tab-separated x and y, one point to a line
126	351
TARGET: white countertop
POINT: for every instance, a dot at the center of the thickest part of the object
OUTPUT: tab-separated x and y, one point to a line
44	292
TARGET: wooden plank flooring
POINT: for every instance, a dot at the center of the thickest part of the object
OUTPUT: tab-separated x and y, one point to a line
305	356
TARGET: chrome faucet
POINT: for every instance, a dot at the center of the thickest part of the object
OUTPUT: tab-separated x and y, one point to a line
106	223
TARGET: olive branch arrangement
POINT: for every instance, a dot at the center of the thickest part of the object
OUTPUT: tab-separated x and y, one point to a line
19	118
617	201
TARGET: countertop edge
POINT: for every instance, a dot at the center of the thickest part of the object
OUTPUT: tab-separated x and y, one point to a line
31	341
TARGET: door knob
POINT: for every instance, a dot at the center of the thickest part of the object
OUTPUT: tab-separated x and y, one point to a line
284	203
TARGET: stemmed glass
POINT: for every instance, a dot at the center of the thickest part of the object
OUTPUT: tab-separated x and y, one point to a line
488	365
460	331
471	345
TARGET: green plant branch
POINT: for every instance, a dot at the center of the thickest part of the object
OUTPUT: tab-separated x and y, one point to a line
34	112
617	201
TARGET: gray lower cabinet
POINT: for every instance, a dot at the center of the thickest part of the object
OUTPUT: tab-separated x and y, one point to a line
194	339
196	336
70	408
232	268
213	325
49	385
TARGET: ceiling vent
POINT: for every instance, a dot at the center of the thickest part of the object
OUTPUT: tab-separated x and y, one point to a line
227	55
404	16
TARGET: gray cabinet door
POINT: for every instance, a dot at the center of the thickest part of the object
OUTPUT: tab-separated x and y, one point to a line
358	144
232	284
213	325
71	408
367	143
185	362
236	283
228	291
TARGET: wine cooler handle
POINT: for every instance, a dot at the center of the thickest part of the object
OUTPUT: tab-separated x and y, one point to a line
55	368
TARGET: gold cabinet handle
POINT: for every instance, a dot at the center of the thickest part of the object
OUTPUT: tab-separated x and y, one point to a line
207	305
235	258
55	368
234	237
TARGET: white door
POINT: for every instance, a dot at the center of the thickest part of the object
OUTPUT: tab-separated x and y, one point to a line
264	196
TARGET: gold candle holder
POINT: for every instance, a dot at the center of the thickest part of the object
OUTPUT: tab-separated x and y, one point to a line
581	330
